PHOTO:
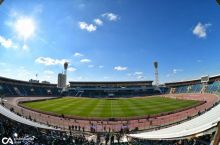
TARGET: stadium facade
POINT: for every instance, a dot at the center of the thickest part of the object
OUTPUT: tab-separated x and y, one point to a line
112	89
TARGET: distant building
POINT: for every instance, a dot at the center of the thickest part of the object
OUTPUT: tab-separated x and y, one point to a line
62	77
33	81
61	80
45	82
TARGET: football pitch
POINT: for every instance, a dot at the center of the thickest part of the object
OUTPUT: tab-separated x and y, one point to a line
109	108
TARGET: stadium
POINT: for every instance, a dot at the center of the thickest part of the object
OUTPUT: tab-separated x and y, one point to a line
125	112
139	109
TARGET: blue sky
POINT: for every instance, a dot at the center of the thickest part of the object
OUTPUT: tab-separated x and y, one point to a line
109	40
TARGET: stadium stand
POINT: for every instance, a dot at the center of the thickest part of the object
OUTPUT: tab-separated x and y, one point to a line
202	140
27	135
11	87
195	86
112	89
214	87
4	111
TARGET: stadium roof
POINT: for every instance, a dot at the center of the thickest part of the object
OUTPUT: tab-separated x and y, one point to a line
109	82
24	82
212	78
194	126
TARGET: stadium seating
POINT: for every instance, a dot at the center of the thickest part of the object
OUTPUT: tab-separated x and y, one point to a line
26	135
214	87
197	88
202	140
10	87
30	135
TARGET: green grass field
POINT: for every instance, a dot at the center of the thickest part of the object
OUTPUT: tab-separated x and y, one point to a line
110	108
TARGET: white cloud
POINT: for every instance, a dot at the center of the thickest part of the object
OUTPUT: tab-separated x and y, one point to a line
138	73
7	43
85	60
98	21
140	77
71	69
110	16
22	73
174	72
200	30
50	61
25	47
177	70
87	27
77	54
101	66
120	68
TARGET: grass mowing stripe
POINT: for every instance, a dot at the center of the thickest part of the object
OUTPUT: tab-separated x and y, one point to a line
97	109
129	109
66	106
48	104
141	109
89	108
118	111
110	108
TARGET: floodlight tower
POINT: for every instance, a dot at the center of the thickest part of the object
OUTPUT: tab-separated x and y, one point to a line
65	67
156	73
65	72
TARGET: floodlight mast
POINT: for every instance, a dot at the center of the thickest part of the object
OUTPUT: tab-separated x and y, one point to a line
65	73
156	73
65	67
